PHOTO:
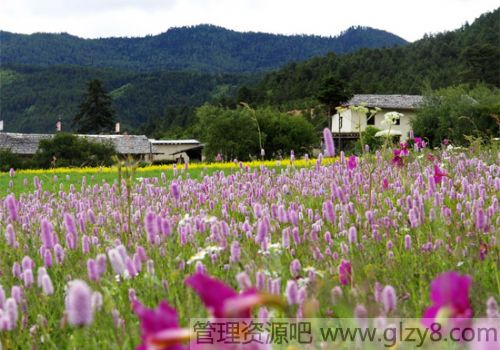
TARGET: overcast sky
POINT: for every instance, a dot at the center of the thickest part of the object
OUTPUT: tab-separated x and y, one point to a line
410	19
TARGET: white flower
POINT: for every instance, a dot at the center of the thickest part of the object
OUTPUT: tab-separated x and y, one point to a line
360	109
213	249
273	248
202	253
303	282
209	219
313	269
391	118
197	257
184	220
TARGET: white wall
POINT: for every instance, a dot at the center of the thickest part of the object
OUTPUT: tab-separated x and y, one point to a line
347	125
352	120
164	152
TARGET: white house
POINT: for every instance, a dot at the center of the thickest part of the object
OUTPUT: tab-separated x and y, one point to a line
349	123
174	150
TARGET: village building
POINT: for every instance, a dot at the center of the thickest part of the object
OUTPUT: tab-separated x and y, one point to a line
176	150
138	147
26	145
347	124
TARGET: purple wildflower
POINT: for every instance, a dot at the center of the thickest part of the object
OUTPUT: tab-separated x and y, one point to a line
78	304
329	145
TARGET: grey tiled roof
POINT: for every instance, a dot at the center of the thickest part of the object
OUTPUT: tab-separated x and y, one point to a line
125	144
21	143
28	143
387	101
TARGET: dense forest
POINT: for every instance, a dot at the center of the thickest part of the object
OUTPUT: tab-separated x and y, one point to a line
32	98
470	55
203	48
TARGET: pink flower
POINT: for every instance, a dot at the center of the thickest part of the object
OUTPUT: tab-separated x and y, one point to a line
345	273
438	174
174	190
78	304
403	149
450	297
397	160
223	301
483	340
160	327
385	183
11	205
389	299
352	163
419	143
329	145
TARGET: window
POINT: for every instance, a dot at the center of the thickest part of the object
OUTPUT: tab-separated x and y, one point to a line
370	119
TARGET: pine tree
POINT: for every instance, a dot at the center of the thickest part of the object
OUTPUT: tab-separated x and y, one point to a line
95	113
332	93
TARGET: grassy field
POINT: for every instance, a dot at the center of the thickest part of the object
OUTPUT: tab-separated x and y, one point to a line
278	228
52	179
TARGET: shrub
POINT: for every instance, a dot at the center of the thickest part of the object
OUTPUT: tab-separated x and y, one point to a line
10	160
68	150
369	139
457	112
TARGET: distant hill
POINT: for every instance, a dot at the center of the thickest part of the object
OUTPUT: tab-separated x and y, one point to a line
204	48
33	98
470	54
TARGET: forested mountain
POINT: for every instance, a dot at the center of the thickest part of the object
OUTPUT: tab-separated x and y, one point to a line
32	98
470	54
205	48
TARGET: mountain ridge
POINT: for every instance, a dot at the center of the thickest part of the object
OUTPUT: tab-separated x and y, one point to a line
205	48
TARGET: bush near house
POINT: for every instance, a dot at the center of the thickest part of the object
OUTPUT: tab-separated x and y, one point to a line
369	139
11	160
457	112
68	150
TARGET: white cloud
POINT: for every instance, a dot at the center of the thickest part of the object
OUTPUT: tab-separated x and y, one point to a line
101	18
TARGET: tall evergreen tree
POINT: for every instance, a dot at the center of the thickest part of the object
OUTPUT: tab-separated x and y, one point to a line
95	113
333	92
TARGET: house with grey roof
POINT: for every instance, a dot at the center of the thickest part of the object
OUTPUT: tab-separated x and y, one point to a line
137	146
347	124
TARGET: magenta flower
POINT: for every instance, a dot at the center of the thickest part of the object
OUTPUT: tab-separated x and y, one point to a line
160	327
397	160
223	301
352	163
174	190
345	272
438	174
403	149
450	297
385	183
419	143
